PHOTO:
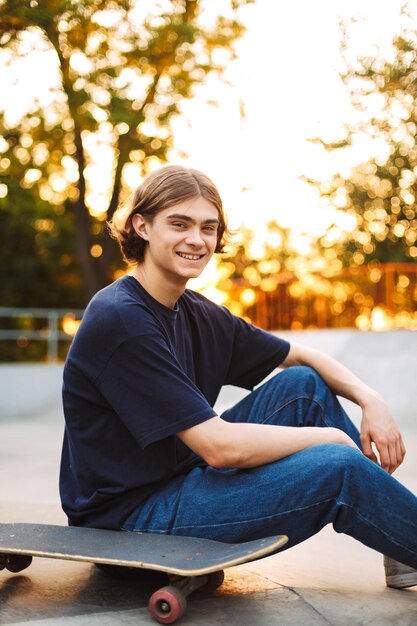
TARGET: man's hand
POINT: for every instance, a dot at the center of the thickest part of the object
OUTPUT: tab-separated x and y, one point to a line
380	428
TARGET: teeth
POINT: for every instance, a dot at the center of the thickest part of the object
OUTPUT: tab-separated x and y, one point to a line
190	257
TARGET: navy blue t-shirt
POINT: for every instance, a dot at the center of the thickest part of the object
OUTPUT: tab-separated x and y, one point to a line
136	374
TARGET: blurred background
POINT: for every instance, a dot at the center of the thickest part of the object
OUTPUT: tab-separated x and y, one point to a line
303	113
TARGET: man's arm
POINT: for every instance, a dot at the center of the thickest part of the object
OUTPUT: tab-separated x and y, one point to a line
242	445
378	425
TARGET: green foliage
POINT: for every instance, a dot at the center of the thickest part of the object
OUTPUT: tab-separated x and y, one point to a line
37	256
122	69
381	194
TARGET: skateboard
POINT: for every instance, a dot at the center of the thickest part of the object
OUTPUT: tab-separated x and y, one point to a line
190	562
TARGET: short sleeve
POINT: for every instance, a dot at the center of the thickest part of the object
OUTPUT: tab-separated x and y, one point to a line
255	354
145	385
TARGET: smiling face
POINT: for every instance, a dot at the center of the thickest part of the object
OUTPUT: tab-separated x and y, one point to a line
181	240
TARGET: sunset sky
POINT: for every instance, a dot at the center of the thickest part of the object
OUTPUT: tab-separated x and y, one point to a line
286	76
286	82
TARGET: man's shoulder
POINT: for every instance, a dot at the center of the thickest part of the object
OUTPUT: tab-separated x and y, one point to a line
116	293
116	302
201	302
114	315
208	314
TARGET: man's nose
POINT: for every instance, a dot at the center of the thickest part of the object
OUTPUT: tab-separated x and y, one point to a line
194	237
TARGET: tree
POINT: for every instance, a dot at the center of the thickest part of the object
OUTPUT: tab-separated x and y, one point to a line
123	68
380	194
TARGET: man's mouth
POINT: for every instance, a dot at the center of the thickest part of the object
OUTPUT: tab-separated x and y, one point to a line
190	257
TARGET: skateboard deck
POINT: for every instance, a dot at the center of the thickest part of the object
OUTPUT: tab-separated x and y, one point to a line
198	562
184	556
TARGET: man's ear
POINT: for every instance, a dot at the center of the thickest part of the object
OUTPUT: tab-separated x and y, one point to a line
139	225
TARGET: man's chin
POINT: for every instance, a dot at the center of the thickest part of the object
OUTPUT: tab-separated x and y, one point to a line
184	276
194	273
191	272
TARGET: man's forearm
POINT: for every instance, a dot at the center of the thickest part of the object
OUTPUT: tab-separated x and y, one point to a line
252	445
245	445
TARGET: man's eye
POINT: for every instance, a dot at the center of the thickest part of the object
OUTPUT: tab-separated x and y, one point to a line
179	224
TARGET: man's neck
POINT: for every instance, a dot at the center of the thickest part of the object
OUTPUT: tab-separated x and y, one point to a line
166	292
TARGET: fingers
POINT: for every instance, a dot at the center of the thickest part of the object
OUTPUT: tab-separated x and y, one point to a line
382	433
397	452
400	451
367	447
387	461
402	448
391	451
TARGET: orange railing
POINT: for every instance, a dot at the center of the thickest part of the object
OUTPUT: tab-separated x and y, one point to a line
379	296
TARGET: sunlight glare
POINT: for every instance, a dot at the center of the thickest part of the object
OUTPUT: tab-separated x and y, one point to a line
80	63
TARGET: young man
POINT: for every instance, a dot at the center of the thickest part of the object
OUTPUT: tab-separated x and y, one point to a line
145	451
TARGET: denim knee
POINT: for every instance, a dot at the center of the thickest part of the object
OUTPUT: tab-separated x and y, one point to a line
346	467
304	382
303	377
341	454
310	379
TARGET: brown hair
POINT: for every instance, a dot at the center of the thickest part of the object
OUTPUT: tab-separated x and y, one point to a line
162	189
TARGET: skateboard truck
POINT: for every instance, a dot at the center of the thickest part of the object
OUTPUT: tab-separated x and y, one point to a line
168	604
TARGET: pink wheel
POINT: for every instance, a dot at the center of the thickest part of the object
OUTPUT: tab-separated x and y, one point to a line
215	579
167	604
18	562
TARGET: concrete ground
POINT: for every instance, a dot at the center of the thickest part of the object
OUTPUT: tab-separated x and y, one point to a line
330	579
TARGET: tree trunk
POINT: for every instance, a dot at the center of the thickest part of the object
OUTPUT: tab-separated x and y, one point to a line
92	279
88	265
83	222
110	249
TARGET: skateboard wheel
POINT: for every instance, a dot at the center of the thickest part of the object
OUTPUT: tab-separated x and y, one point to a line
18	562
215	579
167	605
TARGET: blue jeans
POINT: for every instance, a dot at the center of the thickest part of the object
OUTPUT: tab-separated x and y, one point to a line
295	496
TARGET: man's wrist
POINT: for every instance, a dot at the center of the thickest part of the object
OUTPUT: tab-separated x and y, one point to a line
368	397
